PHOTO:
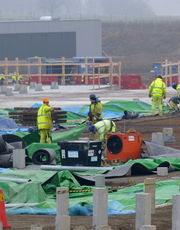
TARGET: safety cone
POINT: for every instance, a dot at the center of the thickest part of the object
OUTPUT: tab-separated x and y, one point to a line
3	217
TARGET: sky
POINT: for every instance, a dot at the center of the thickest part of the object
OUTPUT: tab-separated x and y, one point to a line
165	7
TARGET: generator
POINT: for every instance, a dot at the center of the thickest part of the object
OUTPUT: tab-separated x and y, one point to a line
80	153
123	146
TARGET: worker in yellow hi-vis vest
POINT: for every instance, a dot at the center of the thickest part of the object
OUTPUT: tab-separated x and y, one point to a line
2	78
157	90
44	121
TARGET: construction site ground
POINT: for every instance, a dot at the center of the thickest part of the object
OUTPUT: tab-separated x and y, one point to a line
79	95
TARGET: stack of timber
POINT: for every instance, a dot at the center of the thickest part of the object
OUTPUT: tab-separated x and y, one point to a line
28	116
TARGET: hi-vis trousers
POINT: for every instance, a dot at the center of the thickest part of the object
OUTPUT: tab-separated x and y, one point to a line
45	136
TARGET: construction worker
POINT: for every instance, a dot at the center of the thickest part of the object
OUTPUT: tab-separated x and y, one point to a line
101	129
44	121
2	78
157	90
174	103
95	109
14	78
176	87
20	78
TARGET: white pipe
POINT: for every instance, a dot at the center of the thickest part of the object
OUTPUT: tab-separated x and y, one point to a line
20	205
17	180
73	168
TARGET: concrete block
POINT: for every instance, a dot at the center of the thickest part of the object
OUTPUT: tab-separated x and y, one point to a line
16	87
150	187
36	227
19	158
157	138
143	210
32	85
38	87
54	85
3	89
176	212
168	135
9	92
148	227
100	181
162	171
23	89
100	207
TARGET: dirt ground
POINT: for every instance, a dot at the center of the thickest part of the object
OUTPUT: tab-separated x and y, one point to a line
71	96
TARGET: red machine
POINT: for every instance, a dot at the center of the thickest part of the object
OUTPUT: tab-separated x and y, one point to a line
124	146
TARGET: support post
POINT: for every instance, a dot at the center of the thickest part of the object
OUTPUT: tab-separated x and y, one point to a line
86	70
119	74
143	210
62	215
63	71
100	208
6	71
39	70
149	187
176	212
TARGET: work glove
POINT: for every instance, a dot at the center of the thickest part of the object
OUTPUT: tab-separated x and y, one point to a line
164	97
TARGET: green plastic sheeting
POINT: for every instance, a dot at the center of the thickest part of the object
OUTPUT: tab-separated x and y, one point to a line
42	190
131	106
74	118
150	164
71	134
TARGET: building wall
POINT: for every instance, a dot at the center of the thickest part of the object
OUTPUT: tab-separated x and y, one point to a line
51	39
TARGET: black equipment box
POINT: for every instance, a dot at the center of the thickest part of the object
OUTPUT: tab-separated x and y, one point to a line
80	153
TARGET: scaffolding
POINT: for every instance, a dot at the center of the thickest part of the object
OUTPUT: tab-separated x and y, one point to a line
103	70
